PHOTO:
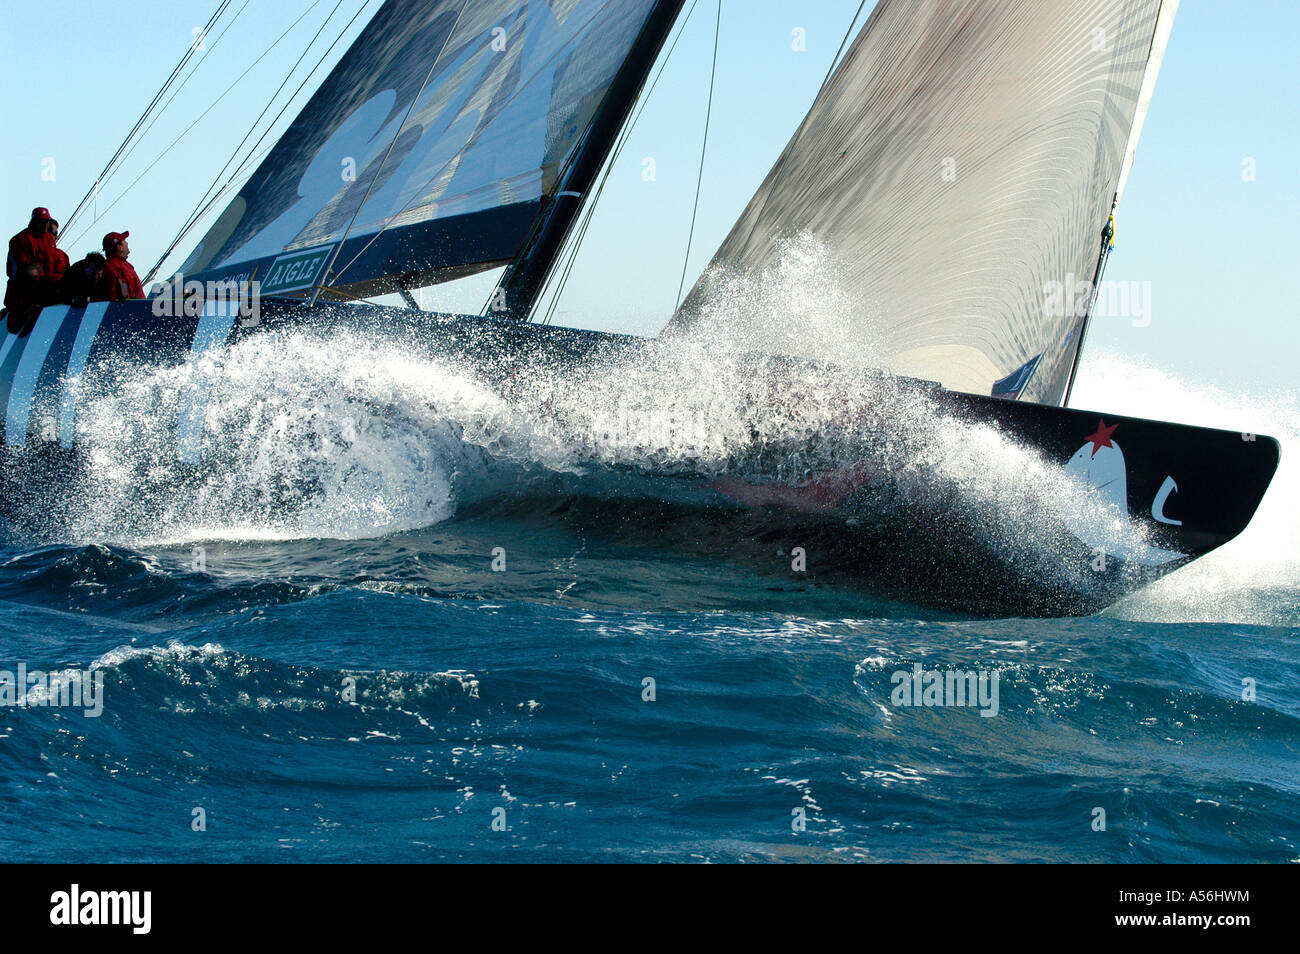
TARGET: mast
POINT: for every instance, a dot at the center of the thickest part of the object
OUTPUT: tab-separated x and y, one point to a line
1107	243
522	282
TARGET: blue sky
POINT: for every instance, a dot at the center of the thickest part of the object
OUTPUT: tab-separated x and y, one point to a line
1219	251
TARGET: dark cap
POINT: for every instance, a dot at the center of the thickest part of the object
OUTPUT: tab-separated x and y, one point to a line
113	239
40	214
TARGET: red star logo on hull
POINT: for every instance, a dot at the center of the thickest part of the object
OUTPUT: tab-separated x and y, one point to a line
1102	437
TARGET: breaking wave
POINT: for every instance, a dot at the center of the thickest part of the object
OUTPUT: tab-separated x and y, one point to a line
308	435
304	438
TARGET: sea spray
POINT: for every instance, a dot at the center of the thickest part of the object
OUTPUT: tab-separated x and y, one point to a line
302	438
305	433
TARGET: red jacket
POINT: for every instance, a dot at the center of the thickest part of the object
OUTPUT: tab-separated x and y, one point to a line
29	248
121	280
58	263
26	249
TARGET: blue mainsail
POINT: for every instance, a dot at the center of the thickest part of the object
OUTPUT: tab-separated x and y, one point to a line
443	130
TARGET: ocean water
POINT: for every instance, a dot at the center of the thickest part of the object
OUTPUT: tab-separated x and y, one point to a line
375	634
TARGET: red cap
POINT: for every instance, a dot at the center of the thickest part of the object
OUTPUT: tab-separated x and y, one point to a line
113	239
40	214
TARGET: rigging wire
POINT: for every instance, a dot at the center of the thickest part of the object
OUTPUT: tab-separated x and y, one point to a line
188	76
564	273
1107	245
158	115
189	52
199	118
254	158
1108	231
562	278
704	145
209	197
835	60
389	151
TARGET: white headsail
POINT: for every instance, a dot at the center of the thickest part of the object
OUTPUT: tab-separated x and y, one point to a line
961	164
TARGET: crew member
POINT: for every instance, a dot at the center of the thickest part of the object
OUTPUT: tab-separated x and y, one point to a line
83	282
30	267
120	278
58	257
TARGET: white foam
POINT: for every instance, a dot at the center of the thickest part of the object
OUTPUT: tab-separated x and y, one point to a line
301	437
304	436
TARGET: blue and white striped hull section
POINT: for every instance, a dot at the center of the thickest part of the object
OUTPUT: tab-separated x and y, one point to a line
38	402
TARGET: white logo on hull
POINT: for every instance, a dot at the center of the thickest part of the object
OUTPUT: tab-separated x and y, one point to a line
1099	464
1158	507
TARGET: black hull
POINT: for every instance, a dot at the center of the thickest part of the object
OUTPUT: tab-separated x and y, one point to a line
1186	490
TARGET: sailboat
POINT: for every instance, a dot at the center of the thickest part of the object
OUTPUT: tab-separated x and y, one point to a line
961	165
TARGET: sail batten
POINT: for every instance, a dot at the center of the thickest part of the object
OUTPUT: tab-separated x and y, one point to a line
959	164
